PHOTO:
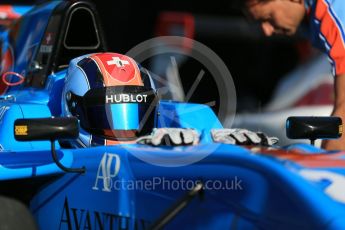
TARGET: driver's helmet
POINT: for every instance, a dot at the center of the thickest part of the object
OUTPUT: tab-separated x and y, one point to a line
112	96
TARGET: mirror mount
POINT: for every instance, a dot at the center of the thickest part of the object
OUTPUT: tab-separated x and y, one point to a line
61	166
51	129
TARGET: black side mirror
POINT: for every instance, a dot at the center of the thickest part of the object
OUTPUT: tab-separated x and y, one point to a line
313	128
48	129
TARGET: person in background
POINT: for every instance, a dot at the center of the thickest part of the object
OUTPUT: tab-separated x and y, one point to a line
326	20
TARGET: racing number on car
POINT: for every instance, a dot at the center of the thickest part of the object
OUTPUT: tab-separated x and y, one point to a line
108	169
336	188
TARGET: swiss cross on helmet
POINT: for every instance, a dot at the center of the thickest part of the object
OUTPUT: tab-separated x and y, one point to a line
112	96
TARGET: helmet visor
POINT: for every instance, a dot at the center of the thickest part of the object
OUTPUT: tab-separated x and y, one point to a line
119	112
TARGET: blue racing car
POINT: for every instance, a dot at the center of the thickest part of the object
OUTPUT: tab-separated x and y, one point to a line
86	143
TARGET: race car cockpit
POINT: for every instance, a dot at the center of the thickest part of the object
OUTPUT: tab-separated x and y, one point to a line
73	30
45	39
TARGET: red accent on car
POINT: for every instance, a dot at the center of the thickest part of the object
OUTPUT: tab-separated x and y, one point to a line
20	78
7	15
6	65
170	22
177	24
322	95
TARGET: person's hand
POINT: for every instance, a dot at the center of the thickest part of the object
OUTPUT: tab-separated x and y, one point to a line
170	137
336	144
242	137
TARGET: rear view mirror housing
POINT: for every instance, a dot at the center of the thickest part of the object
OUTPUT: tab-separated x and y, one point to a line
54	128
313	128
46	128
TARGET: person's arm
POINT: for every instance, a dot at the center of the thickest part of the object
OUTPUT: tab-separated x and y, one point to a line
339	110
329	18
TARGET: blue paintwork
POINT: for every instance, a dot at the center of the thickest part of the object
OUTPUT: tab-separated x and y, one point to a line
274	193
270	192
13	111
21	9
199	117
307	149
29	35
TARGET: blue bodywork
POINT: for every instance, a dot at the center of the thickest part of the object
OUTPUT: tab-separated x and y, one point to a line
294	187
